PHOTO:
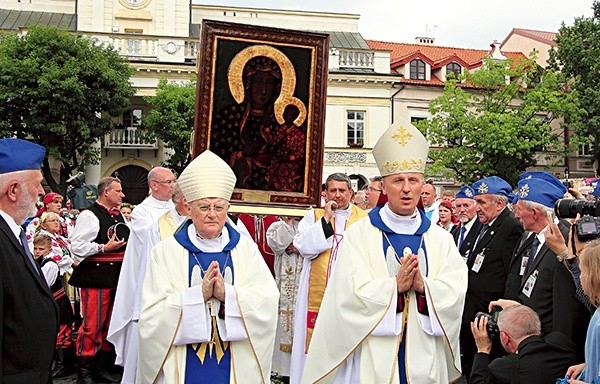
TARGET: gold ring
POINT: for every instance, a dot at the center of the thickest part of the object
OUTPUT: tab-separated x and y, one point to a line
405	273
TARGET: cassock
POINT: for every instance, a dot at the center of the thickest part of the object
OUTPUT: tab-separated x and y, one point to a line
359	335
122	331
184	339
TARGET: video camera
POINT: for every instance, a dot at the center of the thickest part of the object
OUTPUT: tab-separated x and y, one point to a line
492	326
588	227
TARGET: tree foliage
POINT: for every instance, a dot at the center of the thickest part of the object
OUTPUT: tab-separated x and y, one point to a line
172	120
578	56
485	125
61	90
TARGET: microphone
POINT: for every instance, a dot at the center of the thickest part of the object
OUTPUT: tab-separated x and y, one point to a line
334	206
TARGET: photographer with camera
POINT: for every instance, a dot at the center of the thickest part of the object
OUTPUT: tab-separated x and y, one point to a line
531	358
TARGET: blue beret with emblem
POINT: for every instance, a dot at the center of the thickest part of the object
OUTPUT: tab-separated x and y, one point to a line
466	192
493	185
539	191
20	155
545	176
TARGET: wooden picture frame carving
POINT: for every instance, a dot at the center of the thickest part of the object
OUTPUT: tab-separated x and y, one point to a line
260	106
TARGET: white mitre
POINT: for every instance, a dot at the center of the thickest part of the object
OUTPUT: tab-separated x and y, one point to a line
207	176
401	149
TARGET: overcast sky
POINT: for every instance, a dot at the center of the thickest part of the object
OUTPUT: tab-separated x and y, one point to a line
456	23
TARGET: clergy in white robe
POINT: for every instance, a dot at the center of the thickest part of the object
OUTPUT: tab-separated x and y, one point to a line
320	234
392	309
209	303
122	331
288	268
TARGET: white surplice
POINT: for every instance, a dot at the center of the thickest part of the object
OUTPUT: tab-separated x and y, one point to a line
121	331
310	242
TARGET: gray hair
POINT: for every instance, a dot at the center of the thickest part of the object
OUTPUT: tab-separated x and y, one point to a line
532	204
519	321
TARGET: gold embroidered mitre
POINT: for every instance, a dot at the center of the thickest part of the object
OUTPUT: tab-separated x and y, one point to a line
401	149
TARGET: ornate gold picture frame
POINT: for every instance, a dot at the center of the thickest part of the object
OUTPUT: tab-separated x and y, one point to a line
260	106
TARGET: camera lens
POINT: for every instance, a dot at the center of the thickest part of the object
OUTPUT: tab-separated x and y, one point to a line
569	208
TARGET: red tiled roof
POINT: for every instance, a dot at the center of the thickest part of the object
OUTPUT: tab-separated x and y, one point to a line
541	36
402	53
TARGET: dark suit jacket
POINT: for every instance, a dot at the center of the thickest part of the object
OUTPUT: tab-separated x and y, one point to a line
539	361
553	296
29	316
497	244
469	239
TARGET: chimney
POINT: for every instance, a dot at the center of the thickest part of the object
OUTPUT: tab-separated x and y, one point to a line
497	55
425	40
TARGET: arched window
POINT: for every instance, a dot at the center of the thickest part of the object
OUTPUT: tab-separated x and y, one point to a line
453	67
417	70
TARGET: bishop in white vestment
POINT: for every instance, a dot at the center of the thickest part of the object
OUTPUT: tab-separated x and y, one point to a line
392	309
209	302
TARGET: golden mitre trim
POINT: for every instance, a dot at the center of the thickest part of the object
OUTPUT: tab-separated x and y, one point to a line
416	165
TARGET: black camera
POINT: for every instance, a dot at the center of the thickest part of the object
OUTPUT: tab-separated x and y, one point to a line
588	227
492	326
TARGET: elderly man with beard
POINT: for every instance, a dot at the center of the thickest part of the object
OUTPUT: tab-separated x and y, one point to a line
466	212
391	311
209	302
29	313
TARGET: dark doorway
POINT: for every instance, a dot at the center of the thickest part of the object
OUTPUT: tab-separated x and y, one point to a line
134	180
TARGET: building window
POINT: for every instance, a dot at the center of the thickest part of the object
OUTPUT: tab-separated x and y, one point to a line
356	128
417	69
586	150
454	68
132	118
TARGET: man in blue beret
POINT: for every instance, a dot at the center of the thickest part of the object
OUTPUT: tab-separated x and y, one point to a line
489	256
29	313
466	232
537	278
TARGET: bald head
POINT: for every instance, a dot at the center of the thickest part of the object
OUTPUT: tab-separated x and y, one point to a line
161	182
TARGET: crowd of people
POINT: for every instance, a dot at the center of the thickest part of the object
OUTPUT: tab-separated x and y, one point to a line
388	284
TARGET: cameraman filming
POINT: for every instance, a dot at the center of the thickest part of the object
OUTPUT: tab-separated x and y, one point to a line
531	359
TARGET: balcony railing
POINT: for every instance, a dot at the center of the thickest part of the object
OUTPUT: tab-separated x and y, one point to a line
151	48
128	138
356	59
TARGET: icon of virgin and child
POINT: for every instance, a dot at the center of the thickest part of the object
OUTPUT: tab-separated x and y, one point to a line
260	136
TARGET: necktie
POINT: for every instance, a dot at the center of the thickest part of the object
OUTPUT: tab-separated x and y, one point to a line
463	229
25	245
532	252
482	232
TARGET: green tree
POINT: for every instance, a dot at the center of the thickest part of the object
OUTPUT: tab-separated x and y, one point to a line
578	56
172	120
61	90
485	125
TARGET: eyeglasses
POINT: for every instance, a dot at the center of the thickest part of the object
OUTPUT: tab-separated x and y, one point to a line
371	189
50	220
166	181
219	208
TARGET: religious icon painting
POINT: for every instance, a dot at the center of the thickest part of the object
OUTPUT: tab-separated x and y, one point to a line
260	106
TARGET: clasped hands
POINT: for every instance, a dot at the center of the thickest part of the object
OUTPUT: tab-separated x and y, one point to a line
213	284
409	275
